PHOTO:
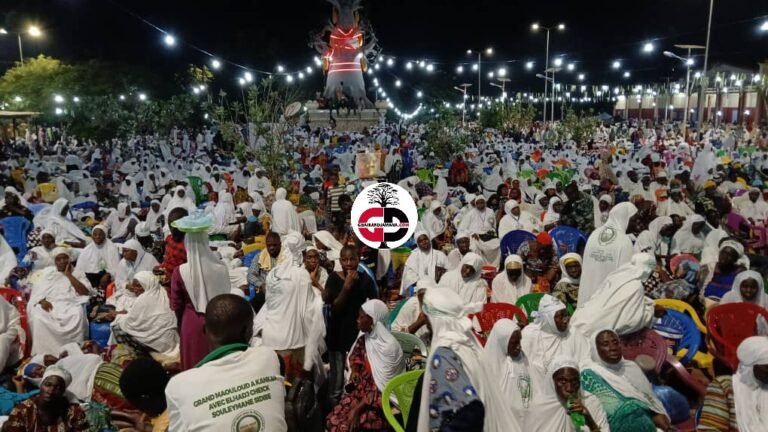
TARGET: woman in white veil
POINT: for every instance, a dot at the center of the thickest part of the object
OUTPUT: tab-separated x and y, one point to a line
54	219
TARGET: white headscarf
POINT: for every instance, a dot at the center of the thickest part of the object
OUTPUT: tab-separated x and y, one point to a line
7	259
749	394
734	295
153	216
131	191
649	241
284	216
420	264
607	249
151	321
95	258
50	218
204	275
504	291
178	202
511	373
224	212
119	228
551	216
549	413
564	274
473	291
433	224
685	241
381	348
625	377
453	330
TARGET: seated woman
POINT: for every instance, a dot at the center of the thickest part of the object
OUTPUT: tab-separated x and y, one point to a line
14	205
56	315
54	219
622	388
149	326
540	260
456	389
550	336
620	302
50	410
424	261
562	405
99	261
750	384
10	329
135	259
725	271
121	223
747	288
466	282
506	361
567	289
410	318
375	359
41	256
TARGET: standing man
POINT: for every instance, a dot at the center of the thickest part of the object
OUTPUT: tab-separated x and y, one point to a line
235	387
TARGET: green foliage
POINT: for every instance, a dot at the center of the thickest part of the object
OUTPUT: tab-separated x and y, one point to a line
507	116
579	127
443	136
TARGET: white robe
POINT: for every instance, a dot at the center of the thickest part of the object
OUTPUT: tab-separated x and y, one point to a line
66	322
513	375
607	249
10	329
421	264
472	291
620	303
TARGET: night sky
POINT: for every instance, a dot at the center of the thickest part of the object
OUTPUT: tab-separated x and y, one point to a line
259	34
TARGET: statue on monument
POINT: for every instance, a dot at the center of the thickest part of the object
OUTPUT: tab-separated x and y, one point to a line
350	40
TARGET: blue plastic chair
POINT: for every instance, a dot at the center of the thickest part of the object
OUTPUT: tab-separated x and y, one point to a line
568	239
678	328
16	229
37	208
249	257
512	241
100	333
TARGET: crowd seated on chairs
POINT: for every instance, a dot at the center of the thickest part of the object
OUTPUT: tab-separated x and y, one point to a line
543	287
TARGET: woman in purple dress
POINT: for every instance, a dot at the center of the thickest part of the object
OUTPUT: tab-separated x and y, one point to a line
201	278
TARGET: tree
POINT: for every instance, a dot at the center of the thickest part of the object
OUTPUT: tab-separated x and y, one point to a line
579	127
384	194
443	138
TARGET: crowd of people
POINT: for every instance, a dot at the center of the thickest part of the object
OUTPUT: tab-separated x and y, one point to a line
161	284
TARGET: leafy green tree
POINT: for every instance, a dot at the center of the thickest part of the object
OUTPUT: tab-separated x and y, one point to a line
443	137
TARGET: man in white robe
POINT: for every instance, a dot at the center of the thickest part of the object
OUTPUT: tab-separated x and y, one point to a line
512	283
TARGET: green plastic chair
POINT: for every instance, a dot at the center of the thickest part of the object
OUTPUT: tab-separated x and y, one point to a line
393	313
196	183
409	342
403	387
530	304
426	175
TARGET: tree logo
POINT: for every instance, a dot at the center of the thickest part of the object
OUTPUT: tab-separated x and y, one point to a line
384	216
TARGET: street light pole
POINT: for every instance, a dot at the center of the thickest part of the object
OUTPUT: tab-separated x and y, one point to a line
704	81
21	53
463	89
479	75
546	82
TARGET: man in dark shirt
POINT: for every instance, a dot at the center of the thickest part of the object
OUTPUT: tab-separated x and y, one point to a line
345	292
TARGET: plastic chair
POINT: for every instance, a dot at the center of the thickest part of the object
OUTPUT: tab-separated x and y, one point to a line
409	343
728	325
425	175
530	304
568	239
512	241
682	306
15	230
493	312
675	322
393	313
403	387
37	208
100	333
196	183
15	298
652	344
48	192
249	257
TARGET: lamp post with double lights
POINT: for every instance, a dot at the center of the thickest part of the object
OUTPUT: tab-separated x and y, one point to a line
536	27
33	31
463	89
688	62
488	52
